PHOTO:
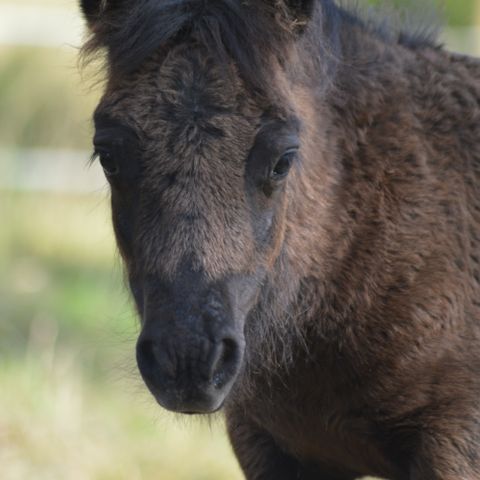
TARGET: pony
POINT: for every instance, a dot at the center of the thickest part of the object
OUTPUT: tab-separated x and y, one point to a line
295	196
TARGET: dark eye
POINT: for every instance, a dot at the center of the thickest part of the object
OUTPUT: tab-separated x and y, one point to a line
284	164
108	162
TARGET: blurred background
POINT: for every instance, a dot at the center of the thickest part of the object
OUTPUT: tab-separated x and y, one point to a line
71	403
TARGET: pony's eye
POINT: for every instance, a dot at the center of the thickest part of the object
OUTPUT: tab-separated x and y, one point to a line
283	165
108	162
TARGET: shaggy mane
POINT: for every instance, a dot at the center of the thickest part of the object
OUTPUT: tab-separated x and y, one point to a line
249	32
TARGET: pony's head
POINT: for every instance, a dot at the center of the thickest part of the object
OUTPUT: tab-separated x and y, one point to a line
199	133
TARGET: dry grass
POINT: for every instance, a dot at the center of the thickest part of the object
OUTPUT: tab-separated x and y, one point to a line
56	424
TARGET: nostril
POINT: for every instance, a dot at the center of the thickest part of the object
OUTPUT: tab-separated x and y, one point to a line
157	362
229	351
146	358
225	364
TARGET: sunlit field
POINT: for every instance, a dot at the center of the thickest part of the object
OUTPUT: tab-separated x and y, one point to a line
72	404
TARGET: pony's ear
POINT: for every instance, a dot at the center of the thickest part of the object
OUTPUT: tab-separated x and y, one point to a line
300	10
92	10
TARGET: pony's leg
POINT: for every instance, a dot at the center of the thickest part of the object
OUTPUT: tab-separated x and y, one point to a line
258	455
447	458
450	448
261	459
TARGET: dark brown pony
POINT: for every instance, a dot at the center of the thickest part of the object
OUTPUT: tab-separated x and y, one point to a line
296	196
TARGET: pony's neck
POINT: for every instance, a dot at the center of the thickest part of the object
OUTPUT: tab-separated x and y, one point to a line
337	238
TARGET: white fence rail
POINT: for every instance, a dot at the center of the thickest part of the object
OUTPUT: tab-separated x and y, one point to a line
45	170
42	26
463	39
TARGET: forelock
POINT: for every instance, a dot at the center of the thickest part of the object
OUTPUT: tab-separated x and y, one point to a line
251	33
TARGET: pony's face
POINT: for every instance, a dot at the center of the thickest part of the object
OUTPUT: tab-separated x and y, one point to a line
199	169
198	175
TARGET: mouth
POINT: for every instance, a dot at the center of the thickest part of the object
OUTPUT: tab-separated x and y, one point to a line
192	412
199	404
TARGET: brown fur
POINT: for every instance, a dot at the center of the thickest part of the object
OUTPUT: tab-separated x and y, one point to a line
363	342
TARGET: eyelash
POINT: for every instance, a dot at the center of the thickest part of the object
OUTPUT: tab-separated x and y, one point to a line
107	161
